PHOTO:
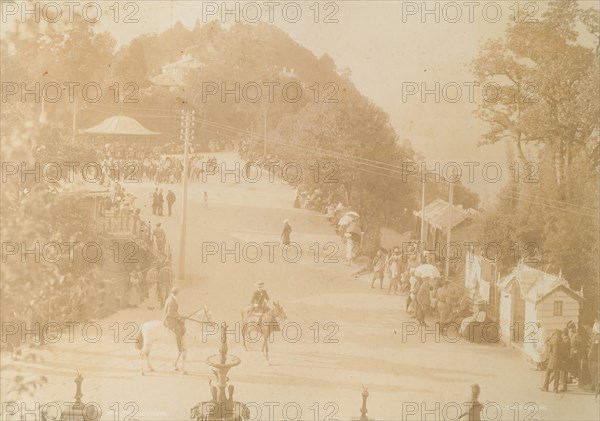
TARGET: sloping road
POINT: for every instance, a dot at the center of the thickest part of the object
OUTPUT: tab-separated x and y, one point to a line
340	334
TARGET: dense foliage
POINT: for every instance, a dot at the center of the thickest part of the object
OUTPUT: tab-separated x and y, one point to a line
554	123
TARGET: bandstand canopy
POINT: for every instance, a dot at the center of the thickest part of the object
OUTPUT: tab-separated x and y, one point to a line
120	125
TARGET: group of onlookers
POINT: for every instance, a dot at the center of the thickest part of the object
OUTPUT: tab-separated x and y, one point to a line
118	202
572	356
152	284
158	199
424	295
159	164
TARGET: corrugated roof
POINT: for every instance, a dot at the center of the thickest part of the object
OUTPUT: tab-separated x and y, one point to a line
120	125
436	214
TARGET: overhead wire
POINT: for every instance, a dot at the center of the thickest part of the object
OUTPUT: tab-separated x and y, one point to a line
374	165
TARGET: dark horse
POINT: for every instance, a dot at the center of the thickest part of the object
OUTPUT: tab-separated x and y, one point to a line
268	324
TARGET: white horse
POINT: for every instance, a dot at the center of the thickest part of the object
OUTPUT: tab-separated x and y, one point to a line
156	331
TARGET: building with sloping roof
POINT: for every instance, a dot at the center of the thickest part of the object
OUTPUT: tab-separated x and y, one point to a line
437	219
175	74
120	125
528	296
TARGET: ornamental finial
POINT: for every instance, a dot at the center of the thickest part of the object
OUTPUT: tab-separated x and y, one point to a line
78	394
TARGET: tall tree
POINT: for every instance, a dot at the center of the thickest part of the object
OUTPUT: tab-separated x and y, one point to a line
550	83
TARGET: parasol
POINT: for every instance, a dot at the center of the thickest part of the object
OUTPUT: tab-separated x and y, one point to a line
427	271
345	220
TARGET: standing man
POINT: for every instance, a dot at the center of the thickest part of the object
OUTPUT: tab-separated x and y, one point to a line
576	351
378	267
593	362
170	200
160	203
205	200
443	307
160	237
423	299
349	248
285	234
411	302
155	202
564	355
152	284
173	319
393	267
475	407
553	368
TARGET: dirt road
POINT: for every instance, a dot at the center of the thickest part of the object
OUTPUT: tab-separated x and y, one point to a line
325	351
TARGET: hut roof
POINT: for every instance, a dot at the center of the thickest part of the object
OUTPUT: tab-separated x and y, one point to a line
535	284
120	125
436	214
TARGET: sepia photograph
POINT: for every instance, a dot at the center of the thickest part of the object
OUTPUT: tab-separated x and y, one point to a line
311	210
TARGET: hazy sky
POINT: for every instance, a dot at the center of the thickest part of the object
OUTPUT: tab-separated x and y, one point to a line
386	48
390	47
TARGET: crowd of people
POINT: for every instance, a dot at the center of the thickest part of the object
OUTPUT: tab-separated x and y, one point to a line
158	164
425	295
570	356
80	295
93	295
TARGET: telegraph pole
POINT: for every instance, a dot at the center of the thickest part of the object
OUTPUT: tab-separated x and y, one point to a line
187	135
74	122
266	112
450	198
422	214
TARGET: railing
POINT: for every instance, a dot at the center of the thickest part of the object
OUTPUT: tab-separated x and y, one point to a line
110	223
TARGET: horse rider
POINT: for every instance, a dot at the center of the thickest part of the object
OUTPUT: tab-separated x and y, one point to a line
260	299
173	320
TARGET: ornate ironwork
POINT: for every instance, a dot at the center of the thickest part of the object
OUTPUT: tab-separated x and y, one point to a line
221	406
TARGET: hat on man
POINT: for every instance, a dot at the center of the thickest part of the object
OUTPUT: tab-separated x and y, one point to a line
286	221
174	290
259	284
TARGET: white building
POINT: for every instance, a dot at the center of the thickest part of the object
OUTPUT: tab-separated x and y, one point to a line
530	295
175	74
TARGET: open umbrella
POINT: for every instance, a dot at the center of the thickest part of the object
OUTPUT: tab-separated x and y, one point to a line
345	220
427	271
353	214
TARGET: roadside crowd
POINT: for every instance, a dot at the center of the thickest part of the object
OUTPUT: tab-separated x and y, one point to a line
570	356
